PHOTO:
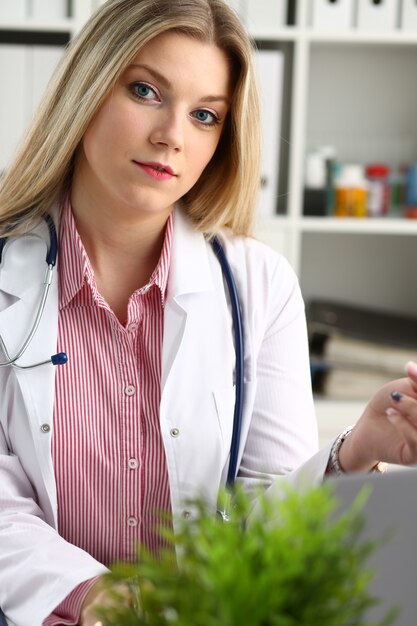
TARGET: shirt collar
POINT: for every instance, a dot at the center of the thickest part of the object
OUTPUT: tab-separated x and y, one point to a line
75	269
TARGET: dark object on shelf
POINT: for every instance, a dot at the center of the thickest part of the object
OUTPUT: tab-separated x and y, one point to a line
315	202
326	317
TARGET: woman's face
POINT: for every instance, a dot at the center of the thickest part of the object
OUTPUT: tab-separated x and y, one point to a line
159	128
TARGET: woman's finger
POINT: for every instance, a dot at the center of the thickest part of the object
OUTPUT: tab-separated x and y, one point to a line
411	370
406	430
406	405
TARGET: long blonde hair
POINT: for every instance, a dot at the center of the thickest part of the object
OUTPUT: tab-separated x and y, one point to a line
41	172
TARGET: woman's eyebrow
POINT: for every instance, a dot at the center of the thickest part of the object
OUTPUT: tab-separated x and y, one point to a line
168	85
157	75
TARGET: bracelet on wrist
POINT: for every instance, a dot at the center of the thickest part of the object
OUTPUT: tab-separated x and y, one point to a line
334	466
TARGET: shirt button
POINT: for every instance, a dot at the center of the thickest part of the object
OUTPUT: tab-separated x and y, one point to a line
130	390
132	327
132	521
133	463
45	428
175	432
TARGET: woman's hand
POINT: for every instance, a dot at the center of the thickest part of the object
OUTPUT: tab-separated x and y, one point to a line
387	429
100	596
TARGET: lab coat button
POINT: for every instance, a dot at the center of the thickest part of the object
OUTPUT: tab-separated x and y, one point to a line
130	390
186	514
174	432
45	428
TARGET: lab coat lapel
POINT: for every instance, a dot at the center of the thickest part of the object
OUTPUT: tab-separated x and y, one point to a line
189	275
21	282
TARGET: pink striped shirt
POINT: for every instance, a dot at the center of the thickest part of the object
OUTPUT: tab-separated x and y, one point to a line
108	454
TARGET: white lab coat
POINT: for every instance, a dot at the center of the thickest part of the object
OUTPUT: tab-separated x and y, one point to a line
37	567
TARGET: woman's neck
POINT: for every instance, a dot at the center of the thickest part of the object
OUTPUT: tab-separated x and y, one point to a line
123	251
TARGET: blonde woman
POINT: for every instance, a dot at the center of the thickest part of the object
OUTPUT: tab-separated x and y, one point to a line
146	145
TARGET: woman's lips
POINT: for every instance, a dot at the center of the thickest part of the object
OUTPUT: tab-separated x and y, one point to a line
157	171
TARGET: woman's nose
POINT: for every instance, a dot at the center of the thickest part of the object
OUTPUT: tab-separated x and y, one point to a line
169	131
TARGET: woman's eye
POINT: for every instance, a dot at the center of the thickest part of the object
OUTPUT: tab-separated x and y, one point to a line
207	118
144	91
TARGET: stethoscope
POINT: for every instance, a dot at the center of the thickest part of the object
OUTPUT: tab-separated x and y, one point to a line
61	357
51	256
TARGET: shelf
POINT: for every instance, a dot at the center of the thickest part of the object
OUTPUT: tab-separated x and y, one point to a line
353	36
273	222
56	26
383	226
362	37
285	33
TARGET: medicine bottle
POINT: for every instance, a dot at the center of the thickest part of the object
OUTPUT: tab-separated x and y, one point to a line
379	193
351	191
315	185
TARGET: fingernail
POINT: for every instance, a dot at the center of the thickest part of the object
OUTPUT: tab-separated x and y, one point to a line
391	414
396	396
411	367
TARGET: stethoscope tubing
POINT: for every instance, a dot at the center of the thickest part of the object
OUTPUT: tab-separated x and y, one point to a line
35	326
239	369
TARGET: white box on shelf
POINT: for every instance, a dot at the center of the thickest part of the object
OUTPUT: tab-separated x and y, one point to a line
270	72
378	14
408	19
266	15
48	9
13	9
332	14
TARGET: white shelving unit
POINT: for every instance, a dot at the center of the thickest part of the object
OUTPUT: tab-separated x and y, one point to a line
348	82
341	85
79	11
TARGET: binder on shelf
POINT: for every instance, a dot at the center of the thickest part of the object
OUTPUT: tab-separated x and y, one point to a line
333	14
378	14
24	73
48	9
14	9
12	102
42	61
270	71
266	15
408	15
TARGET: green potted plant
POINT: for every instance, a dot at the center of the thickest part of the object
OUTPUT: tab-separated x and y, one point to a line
296	563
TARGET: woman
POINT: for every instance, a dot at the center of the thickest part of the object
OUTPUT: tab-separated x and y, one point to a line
145	146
